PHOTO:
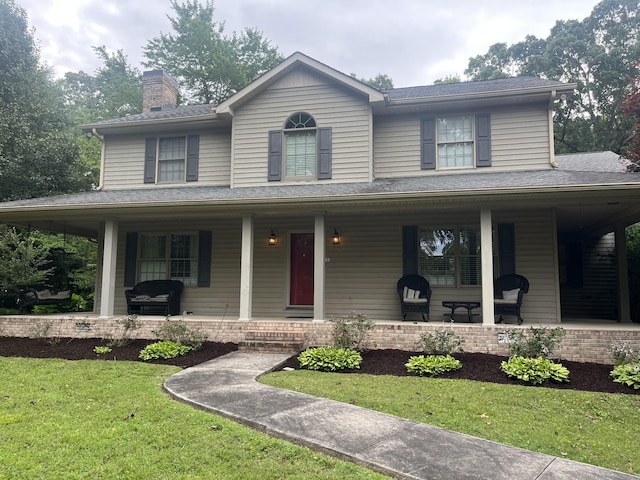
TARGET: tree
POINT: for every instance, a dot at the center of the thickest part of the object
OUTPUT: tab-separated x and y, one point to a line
24	258
447	79
382	81
598	53
211	65
631	108
37	147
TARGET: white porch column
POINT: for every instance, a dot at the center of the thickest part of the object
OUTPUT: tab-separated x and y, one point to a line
246	268
624	308
109	257
486	260
318	268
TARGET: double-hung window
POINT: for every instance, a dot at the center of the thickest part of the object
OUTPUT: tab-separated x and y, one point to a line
455	141
450	256
171	159
171	256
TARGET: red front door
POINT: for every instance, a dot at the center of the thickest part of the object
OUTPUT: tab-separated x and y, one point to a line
301	283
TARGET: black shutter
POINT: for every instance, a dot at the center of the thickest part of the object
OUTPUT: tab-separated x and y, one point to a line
130	259
275	156
483	140
204	259
409	250
150	160
506	248
193	153
428	143
324	153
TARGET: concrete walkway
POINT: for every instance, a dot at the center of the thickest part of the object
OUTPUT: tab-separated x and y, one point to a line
394	446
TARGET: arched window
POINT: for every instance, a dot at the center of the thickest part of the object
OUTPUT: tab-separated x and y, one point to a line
300	146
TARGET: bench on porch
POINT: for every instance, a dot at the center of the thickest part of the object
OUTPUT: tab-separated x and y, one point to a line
154	296
41	295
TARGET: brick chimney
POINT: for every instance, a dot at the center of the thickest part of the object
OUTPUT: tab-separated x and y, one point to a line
159	91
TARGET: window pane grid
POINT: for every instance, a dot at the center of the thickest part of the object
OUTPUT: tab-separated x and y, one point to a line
171	159
436	259
455	142
169	256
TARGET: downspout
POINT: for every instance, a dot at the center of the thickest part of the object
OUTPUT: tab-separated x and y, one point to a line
94	133
552	154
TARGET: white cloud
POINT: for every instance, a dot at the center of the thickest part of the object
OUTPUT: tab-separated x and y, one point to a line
412	41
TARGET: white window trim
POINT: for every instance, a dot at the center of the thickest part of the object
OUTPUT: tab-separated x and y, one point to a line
472	142
186	146
190	281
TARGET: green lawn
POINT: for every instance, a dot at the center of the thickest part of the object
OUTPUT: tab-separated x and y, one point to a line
596	428
110	420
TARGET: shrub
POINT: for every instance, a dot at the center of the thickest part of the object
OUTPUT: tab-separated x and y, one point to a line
165	349
535	370
622	352
432	365
441	342
101	350
177	331
627	374
330	359
352	331
540	342
129	324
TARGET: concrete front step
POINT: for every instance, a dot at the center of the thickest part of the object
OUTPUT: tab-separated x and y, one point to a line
265	341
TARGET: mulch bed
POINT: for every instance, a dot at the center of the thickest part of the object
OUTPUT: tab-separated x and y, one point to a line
482	367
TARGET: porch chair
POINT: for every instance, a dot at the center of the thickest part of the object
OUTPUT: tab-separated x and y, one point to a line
415	295
508	292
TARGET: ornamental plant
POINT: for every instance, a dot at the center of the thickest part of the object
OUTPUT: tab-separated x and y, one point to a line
177	331
441	342
622	352
330	359
627	374
165	350
538	342
535	370
431	365
352	331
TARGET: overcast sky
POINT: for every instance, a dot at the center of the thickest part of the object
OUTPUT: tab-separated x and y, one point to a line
413	41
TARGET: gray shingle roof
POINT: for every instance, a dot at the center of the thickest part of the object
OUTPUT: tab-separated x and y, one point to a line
442	184
187	111
468	88
592	162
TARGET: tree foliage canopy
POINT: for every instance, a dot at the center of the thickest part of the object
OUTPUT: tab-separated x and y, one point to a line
208	63
37	147
600	54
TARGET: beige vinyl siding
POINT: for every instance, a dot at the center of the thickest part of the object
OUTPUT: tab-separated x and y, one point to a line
519	141
222	297
348	116
124	160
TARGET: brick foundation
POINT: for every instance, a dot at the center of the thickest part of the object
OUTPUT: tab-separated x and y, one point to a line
580	343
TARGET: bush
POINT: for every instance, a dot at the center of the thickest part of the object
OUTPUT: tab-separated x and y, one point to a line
622	352
441	342
535	370
329	359
165	349
129	324
540	342
627	374
432	365
352	331
178	332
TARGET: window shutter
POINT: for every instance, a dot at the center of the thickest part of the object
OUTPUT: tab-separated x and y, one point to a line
506	248
428	143
324	153
204	259
150	160
193	153
409	250
275	156
483	140
130	259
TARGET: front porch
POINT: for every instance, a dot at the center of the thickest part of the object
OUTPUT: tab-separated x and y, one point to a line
586	340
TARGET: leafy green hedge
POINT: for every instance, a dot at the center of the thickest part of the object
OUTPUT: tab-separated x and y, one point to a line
165	349
330	359
535	370
431	365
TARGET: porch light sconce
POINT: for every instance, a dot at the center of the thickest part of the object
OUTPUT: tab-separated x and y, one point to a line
335	238
273	239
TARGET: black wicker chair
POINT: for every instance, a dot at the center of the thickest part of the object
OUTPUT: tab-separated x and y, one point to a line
154	296
415	295
508	292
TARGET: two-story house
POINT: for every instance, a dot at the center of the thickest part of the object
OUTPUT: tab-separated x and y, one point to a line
308	194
